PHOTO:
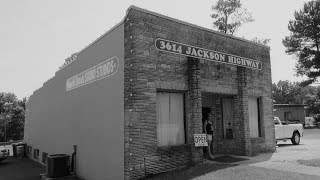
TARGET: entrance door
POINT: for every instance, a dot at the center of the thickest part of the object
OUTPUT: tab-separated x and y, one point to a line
205	115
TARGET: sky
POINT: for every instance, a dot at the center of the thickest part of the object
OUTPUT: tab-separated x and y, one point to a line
36	36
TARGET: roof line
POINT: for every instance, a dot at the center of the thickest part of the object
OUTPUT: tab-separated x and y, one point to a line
165	17
193	25
162	16
99	38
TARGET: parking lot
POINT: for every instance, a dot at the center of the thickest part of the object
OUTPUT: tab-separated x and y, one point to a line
288	162
20	169
303	158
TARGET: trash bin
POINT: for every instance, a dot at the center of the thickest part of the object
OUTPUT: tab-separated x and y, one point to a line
19	150
58	165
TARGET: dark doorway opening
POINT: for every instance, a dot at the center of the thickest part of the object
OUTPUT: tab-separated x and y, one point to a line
205	114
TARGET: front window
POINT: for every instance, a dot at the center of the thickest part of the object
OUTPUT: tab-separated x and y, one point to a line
227	117
36	153
170	119
254	117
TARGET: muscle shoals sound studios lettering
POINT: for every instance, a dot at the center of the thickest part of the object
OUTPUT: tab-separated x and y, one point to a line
95	73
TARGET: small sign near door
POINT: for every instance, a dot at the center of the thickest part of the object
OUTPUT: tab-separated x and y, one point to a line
200	140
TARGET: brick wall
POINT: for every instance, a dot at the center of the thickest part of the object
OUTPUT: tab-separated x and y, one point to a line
194	107
147	70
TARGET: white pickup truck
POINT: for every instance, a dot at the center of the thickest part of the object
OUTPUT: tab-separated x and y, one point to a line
285	131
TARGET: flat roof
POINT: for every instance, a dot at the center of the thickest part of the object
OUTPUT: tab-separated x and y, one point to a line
193	25
161	16
168	18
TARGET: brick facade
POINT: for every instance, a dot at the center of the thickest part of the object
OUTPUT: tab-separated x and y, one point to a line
148	70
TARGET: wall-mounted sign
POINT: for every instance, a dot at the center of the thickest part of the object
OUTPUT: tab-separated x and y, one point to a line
200	140
95	73
197	52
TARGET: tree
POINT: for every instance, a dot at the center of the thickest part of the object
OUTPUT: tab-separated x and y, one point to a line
12	113
304	40
229	16
262	41
286	92
15	127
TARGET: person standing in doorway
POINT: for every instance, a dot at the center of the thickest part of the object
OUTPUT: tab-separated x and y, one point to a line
209	131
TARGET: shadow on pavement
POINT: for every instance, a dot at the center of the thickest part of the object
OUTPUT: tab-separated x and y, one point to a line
189	172
20	169
285	145
3	163
257	159
312	127
311	162
220	162
229	159
289	145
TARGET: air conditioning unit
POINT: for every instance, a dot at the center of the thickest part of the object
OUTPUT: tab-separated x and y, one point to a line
58	165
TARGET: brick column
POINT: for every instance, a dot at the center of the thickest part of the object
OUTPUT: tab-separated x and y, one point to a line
194	109
244	115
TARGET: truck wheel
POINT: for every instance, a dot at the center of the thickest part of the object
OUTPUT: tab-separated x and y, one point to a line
295	138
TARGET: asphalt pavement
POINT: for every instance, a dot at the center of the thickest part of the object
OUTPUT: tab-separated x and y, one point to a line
292	162
20	169
284	164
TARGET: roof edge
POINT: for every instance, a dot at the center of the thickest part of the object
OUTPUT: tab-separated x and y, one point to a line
162	16
196	26
165	17
86	47
99	38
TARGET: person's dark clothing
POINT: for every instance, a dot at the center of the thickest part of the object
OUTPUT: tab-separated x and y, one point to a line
209	129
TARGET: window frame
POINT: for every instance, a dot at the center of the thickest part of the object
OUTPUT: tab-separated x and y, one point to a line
183	92
222	117
29	150
36	153
259	113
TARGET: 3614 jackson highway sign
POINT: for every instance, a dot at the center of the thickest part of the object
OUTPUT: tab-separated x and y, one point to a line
197	52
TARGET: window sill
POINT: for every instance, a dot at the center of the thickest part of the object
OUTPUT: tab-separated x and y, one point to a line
183	147
257	139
